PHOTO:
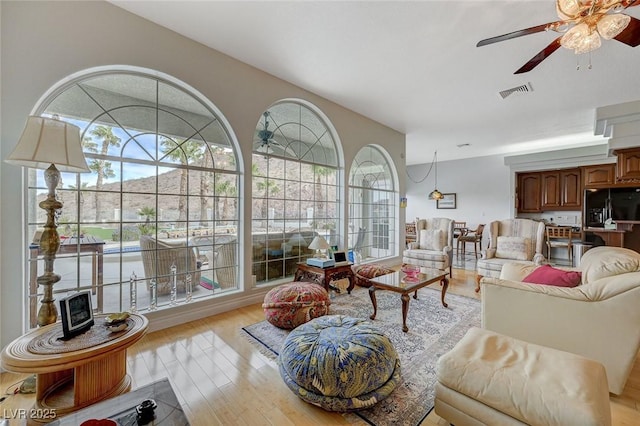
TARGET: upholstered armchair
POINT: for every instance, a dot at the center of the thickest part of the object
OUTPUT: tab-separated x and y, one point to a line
511	240
159	255
434	245
598	319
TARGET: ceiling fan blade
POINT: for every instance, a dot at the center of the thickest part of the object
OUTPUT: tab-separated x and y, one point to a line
632	3
520	33
631	34
544	54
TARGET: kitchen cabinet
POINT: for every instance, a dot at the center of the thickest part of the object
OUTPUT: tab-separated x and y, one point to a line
601	175
528	192
571	189
550	190
550	182
628	168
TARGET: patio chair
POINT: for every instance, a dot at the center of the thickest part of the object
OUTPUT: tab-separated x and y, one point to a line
225	264
159	255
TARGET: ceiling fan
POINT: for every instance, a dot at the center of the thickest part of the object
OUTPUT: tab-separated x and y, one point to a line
582	23
266	136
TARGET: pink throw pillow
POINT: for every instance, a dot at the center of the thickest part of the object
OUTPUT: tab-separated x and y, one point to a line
547	274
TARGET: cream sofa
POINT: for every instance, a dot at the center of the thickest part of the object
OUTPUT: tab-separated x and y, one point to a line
599	319
434	245
511	240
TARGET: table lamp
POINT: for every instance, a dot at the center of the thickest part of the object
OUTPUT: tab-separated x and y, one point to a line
318	244
53	145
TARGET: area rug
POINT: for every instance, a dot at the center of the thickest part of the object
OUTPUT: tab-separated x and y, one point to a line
433	331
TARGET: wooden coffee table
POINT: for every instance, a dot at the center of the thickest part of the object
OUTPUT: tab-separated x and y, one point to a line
396	282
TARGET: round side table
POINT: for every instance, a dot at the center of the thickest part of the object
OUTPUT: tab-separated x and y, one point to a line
73	374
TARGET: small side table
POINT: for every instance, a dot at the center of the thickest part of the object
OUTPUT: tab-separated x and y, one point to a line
324	276
71	375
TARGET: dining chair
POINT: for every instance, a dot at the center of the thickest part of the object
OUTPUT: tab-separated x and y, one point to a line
473	236
459	228
560	237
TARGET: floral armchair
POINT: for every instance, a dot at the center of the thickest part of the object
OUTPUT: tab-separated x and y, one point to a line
434	245
511	240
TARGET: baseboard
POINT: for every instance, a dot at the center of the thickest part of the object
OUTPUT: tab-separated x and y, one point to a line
160	320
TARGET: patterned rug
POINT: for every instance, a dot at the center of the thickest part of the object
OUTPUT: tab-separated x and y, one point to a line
433	330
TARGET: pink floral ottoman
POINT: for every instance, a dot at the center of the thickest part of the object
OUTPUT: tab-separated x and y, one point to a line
372	270
290	305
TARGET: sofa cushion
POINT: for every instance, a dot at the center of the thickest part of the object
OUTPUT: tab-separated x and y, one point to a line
547	274
431	239
516	271
605	261
518	248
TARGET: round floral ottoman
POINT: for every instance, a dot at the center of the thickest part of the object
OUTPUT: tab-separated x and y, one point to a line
289	305
365	272
339	363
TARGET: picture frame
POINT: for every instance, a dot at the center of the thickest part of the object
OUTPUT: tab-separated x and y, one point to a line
447	202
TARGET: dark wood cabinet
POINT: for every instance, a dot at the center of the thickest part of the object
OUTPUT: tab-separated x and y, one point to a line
601	175
551	191
571	189
628	169
529	192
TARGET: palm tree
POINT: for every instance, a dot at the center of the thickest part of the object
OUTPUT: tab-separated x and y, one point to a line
83	186
270	188
101	167
184	151
204	188
319	195
226	189
218	154
148	213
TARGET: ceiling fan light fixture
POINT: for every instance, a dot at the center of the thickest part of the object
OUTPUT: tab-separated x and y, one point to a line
574	37
588	43
265	149
568	9
611	25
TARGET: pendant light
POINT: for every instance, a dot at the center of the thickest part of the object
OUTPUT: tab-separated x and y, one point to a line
435	194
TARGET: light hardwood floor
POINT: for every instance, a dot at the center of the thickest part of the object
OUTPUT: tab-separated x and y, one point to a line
222	379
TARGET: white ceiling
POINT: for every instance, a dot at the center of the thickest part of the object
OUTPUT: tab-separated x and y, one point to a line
413	66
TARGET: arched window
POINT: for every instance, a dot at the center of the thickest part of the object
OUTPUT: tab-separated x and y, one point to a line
161	202
295	188
373	205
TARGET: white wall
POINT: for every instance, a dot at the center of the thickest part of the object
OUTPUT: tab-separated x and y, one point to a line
44	42
483	189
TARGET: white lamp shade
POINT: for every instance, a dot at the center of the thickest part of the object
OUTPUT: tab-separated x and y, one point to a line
47	141
319	243
297	239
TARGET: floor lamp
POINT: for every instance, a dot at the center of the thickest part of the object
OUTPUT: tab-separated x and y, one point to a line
53	145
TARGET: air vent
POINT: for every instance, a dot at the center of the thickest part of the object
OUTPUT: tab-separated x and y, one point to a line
520	89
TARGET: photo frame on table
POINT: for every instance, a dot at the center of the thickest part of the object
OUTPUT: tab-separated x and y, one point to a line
447	202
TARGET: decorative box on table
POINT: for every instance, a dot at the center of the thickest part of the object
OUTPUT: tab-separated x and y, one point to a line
321	263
